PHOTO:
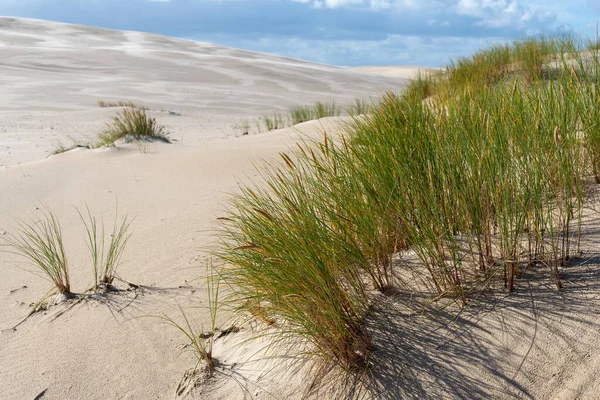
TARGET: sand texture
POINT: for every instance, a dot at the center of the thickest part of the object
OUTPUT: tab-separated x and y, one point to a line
536	344
52	76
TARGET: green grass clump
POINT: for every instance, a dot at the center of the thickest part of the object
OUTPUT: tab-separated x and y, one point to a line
301	114
105	260
481	171
310	288
41	242
322	110
275	121
319	110
134	123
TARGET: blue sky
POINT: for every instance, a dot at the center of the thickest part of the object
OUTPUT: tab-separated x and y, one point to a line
340	32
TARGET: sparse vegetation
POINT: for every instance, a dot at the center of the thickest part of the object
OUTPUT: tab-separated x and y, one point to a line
129	104
481	170
301	114
243	127
322	110
200	341
105	261
360	107
41	242
134	124
62	148
275	121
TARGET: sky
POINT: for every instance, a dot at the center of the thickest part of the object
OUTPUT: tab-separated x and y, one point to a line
339	32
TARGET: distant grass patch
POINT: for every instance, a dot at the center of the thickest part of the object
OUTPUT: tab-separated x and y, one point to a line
301	114
243	127
274	121
131	104
359	107
132	123
319	110
322	110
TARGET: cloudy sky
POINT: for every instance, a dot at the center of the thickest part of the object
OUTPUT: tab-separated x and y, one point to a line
340	32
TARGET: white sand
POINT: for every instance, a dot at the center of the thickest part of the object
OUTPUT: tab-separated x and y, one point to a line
397	71
542	346
52	76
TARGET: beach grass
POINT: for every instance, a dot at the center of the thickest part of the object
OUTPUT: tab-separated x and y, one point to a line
329	109
201	342
132	123
105	255
243	127
301	114
40	241
359	107
480	170
274	121
130	104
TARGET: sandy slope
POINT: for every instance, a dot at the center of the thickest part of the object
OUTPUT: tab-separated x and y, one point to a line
95	350
52	76
535	344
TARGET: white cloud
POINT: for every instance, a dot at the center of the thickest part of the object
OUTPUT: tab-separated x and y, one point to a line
503	13
486	13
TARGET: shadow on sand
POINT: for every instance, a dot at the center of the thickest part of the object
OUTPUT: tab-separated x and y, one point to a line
500	346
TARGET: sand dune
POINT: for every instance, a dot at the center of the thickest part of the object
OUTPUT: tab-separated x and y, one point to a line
53	75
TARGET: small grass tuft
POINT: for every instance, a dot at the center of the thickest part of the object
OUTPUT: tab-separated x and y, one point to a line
41	242
200	341
135	124
105	261
275	121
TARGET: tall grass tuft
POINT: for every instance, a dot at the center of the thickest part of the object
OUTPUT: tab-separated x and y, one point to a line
135	124
41	242
105	259
309	288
